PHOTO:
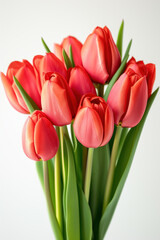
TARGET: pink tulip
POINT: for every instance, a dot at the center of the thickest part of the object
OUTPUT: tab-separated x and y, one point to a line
39	138
25	74
58	100
94	122
80	82
148	70
100	55
66	43
128	98
47	63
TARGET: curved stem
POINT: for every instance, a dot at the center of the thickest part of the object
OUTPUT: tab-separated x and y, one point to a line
62	156
112	167
58	190
52	216
88	173
100	90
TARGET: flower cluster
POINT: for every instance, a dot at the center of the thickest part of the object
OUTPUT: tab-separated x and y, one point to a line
64	94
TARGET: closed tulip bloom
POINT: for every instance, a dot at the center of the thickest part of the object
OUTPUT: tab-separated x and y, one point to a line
100	55
80	82
66	43
148	70
58	100
25	74
94	122
47	63
39	138
128	98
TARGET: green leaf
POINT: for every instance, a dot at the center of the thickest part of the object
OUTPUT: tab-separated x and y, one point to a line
45	45
101	159
72	202
123	167
120	38
118	73
85	217
71	56
67	60
28	100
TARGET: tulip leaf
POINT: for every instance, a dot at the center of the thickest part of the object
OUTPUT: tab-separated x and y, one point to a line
120	38
45	45
101	159
85	217
118	73
123	167
28	100
72	202
66	59
71	56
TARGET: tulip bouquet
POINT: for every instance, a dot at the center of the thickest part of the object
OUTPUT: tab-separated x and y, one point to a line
87	108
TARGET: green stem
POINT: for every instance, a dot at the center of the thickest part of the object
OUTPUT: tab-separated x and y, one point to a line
88	173
52	216
84	163
62	156
58	190
112	167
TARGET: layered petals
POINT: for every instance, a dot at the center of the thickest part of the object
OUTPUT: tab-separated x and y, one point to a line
100	55
47	63
94	122
25	74
39	138
58	100
66	43
128	98
80	82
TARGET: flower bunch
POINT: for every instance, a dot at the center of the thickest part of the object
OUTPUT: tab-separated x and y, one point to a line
105	100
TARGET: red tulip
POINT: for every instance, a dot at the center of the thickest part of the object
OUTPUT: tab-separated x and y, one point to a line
80	82
25	74
128	98
94	122
58	100
66	43
148	70
39	138
100	55
47	63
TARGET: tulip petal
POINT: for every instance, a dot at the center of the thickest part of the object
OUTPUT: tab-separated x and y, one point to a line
57	50
45	139
108	125
13	68
55	104
28	140
150	77
11	94
93	58
137	103
80	82
88	128
36	63
76	48
118	97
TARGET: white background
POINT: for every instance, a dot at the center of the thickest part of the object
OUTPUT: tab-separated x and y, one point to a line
23	213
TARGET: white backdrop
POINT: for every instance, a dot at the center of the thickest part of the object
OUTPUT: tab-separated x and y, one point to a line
23	213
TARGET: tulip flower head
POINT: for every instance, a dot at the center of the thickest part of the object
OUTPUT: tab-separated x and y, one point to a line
66	43
128	98
94	122
39	138
148	70
25	74
100	55
80	82
47	63
58	100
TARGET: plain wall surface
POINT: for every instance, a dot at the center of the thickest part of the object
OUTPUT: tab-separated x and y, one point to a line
23	213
